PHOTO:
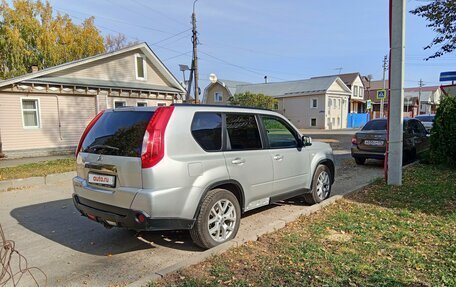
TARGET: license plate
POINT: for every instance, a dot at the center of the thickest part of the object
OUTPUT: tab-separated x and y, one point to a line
371	142
102	179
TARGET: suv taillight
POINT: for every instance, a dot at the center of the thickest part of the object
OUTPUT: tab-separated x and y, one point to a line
354	141
153	147
86	131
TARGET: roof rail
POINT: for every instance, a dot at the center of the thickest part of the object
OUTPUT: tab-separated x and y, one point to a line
219	106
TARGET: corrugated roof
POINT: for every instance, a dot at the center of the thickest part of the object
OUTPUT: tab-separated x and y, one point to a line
289	88
231	85
347	78
102	84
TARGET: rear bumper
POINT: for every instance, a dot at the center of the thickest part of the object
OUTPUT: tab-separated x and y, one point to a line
113	216
356	152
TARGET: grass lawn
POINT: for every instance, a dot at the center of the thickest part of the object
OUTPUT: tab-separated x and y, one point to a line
382	236
38	169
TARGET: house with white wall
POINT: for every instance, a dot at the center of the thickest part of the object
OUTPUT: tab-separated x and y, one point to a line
320	103
354	82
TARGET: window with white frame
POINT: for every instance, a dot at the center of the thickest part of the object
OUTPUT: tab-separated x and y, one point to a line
141	104
119	104
218	97
329	103
314	103
140	64
31	113
361	92
355	91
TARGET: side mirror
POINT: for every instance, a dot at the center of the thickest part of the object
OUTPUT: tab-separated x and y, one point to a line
306	141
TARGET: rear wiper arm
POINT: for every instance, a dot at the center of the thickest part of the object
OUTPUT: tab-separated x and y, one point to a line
103	146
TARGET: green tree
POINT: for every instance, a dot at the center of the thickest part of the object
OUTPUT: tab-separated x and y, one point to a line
253	100
441	15
443	133
31	35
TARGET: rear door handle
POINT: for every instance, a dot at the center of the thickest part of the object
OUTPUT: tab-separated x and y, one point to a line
238	161
278	157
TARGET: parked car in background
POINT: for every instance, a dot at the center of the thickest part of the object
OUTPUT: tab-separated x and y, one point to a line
370	142
426	120
194	167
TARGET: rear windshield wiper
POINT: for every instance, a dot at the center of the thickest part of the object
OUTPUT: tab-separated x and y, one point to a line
101	146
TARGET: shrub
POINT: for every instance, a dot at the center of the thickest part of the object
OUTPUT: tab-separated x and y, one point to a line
253	100
443	133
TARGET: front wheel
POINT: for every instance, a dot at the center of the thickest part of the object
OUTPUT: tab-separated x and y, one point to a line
218	220
321	185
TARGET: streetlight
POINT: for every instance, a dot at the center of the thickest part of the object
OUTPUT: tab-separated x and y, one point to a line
184	68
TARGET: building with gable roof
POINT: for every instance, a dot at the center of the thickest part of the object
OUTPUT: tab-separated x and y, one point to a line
46	111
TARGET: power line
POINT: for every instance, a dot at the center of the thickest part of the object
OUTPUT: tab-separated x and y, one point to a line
128	36
66	11
170	37
159	12
251	70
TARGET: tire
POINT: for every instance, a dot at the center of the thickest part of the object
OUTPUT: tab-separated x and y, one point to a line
360	160
318	193
227	221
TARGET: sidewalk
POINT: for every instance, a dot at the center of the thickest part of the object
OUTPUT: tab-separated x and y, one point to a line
19	161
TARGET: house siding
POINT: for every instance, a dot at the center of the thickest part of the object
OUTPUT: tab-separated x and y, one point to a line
298	110
117	68
216	88
75	113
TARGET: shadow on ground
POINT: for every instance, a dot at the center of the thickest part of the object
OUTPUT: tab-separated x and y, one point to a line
60	222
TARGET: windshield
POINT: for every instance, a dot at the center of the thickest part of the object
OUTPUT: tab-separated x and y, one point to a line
377	125
118	133
425	118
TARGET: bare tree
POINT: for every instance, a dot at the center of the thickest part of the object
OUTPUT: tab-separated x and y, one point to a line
116	42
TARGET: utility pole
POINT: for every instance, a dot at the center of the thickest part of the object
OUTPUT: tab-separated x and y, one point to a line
393	159
419	96
382	101
195	55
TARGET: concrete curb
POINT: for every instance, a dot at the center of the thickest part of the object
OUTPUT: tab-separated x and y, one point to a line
38	180
253	236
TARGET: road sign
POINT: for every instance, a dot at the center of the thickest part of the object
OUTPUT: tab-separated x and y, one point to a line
448	76
369	104
381	94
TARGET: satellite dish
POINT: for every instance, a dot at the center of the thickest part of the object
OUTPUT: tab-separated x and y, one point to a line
213	78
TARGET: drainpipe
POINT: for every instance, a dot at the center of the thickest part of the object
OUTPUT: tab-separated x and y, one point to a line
2	155
58	117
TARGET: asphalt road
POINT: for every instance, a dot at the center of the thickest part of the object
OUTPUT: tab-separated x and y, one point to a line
74	251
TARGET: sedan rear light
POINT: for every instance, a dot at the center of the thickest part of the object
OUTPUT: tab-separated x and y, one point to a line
354	140
153	147
86	131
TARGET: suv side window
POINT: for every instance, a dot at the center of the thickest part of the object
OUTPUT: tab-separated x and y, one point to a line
278	133
243	133
419	128
207	130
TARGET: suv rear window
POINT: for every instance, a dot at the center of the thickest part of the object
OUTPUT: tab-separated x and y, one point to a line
377	125
207	130
118	133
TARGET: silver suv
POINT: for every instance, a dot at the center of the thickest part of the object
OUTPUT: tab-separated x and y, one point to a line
194	167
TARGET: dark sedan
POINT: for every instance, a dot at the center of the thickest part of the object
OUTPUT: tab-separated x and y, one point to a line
370	142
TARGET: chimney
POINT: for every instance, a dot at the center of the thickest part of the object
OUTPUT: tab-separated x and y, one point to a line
34	68
265	79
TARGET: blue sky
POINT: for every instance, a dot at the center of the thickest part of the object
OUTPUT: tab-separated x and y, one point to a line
286	40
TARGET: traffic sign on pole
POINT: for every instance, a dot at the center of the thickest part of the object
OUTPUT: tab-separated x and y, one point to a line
381	94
